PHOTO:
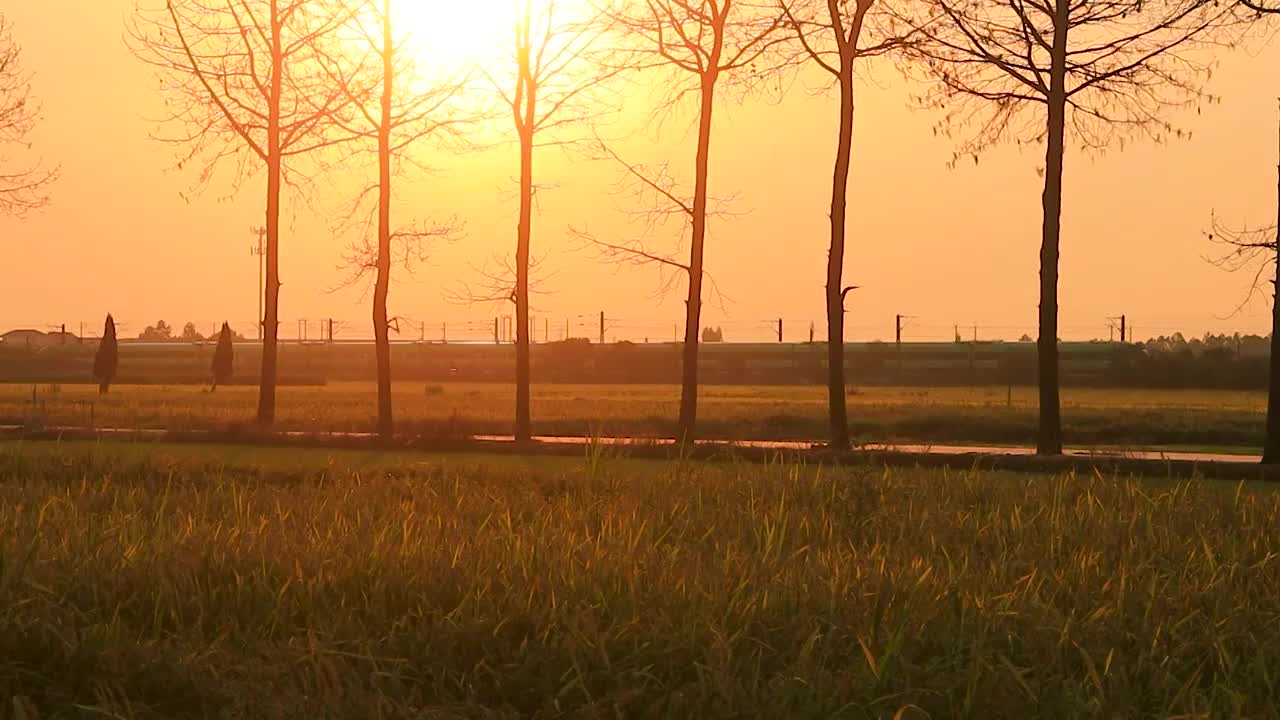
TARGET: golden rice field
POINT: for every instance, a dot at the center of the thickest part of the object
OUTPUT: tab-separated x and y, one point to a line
1148	418
203	582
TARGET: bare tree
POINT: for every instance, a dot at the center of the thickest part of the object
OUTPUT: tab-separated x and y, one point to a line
22	189
830	36
243	85
700	46
396	116
550	91
1030	70
1256	250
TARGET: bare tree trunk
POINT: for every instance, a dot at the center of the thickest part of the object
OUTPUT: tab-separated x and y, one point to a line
693	306
524	233
1049	439
1271	443
382	283
835	266
524	422
271	320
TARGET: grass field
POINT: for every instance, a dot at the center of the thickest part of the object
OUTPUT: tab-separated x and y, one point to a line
1145	418
161	582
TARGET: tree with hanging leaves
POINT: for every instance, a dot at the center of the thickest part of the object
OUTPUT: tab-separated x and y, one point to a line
107	359
223	358
1054	71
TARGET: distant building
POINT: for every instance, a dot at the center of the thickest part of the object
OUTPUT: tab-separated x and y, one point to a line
27	338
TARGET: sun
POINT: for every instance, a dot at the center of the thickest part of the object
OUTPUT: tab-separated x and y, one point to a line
444	36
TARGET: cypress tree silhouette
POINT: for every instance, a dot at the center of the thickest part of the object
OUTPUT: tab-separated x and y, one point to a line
107	359
223	357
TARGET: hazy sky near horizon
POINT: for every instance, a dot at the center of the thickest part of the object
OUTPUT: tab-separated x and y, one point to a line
947	246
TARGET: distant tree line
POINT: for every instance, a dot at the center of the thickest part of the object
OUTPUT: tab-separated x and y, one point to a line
1159	363
163	332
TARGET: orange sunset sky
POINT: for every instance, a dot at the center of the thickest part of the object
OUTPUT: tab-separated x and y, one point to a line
949	246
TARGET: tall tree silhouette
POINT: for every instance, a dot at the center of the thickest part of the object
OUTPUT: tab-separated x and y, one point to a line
698	46
1257	250
830	35
549	91
242	85
1032	70
107	359
22	189
1271	446
395	117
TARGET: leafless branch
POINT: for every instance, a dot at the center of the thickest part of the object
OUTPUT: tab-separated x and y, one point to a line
24	189
213	61
985	66
410	246
417	110
497	282
1249	250
1261	8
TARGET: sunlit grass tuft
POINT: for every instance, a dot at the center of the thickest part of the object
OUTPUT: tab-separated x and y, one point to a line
610	588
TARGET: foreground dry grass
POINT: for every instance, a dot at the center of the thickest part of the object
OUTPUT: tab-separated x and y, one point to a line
937	415
211	583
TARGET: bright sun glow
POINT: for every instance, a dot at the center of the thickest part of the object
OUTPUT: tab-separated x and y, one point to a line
454	34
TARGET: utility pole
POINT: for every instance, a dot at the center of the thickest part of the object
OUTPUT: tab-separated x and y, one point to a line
261	252
897	343
496	340
810	332
779	329
1123	330
601	327
444	333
